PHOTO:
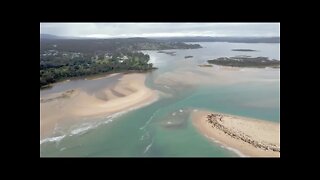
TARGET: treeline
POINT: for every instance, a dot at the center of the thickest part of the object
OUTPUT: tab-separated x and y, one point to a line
259	62
65	58
55	68
111	45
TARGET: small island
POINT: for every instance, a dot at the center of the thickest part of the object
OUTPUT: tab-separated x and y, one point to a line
246	61
205	65
186	57
243	50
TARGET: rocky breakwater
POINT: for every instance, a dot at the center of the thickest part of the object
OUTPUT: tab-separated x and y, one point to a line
217	122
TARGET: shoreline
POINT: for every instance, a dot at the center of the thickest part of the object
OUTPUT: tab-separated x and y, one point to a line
129	93
248	136
95	77
80	129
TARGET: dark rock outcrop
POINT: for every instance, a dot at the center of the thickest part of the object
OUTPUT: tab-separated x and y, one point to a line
215	120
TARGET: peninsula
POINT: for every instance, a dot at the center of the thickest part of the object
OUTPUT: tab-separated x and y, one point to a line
252	137
73	105
62	59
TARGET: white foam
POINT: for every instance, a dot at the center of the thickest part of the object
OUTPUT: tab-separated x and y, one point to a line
169	122
150	119
87	126
195	110
166	86
148	147
82	129
180	110
216	141
226	147
77	130
145	135
173	114
107	121
62	149
236	151
52	139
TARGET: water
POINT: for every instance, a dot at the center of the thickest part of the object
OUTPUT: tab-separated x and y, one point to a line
164	128
89	86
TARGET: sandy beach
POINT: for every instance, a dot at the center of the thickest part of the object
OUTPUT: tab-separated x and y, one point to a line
263	132
72	105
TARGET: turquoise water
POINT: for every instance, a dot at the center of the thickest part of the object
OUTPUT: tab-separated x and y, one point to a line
164	128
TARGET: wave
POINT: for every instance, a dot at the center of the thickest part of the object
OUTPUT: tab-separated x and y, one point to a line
236	151
81	130
227	147
111	117
146	124
52	139
216	141
76	130
88	126
148	147
150	119
147	135
85	127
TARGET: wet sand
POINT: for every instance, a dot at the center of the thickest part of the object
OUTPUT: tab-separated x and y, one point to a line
72	105
219	75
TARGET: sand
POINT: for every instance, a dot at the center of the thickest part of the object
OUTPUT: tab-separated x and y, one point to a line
60	108
259	130
218	75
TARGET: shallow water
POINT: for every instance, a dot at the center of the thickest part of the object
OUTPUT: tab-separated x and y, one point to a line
164	128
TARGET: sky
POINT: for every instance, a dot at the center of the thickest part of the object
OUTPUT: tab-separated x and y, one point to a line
109	30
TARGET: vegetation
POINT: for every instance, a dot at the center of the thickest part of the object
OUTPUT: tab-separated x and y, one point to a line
205	65
64	65
246	61
65	58
111	45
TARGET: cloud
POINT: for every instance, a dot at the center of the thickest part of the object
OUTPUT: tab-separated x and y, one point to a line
160	29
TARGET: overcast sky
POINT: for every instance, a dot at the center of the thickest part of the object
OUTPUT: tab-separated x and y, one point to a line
105	30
